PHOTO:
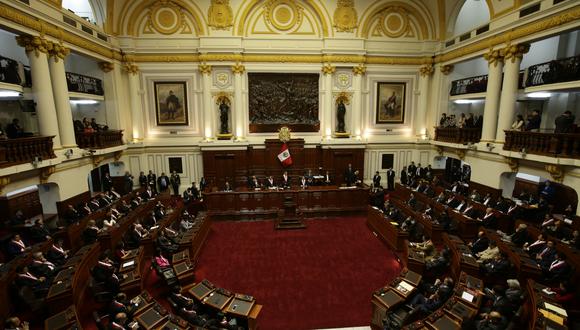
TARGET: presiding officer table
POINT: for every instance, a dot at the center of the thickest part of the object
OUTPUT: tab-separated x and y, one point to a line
314	201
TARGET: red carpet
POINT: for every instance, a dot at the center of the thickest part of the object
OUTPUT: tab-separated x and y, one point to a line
320	277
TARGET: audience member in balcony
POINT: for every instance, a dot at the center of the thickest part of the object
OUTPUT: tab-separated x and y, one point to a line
142	180
451	121
518	124
87	126
443	120
78	126
461	121
469	121
107	182
479	121
94	125
39	232
534	120
564	123
13	130
547	191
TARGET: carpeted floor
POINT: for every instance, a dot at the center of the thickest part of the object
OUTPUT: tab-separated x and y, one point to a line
319	277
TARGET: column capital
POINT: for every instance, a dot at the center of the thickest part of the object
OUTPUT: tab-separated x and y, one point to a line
4	181
328	68
514	52
238	68
34	44
359	69
58	51
494	56
131	68
204	68
106	67
446	69
426	70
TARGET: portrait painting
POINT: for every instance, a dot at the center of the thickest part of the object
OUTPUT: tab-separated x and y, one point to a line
390	103
171	103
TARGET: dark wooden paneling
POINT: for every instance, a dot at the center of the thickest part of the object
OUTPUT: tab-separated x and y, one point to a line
237	165
74	201
483	189
28	202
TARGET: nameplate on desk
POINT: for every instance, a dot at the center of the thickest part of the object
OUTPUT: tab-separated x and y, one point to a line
405	287
467	296
128	264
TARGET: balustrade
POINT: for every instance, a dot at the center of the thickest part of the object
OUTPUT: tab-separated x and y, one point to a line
457	135
567	69
24	150
549	144
100	139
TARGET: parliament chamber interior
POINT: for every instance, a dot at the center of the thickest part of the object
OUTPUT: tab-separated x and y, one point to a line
289	164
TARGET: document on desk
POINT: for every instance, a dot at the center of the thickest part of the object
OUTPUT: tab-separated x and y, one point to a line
128	263
405	287
556	309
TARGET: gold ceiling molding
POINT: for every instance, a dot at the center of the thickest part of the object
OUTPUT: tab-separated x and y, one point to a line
220	15
345	16
56	3
166	17
567	16
106	67
223	57
132	17
426	70
394	20
169	58
397	60
446	69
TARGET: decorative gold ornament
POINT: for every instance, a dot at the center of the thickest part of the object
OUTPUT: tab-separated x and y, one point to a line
439	150
4	181
106	66
56	3
166	17
117	155
34	44
131	68
58	51
223	97
283	14
344	97
238	68
359	69
284	134
513	163
394	22
460	153
328	68
97	160
220	15
446	69
45	173
514	52
345	16
426	70
556	172
494	56
204	68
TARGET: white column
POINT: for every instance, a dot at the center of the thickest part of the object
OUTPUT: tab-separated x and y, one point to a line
36	50
134	96
509	92
425	72
356	109
110	87
328	109
238	124
208	109
495	65
61	99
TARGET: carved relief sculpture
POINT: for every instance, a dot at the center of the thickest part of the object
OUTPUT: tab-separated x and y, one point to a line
345	16
277	100
220	15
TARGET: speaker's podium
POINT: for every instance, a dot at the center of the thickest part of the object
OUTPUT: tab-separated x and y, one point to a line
288	218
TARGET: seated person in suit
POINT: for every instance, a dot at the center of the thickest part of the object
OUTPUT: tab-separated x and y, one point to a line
148	194
489	220
488	200
135	202
57	254
557	230
39	232
25	278
427	248
227	186
195	192
91	232
270	182
536	246
469	211
461	206
94	204
180	300
520	235
440	262
498	302
490	253
84	209
16	246
514	291
165	244
441	198
558	270
71	214
104	271
492	321
285	180
475	196
135	235
440	292
120	305
502	205
412	202
327	180
452	201
120	252
160	210
40	267
429	191
497	266
150	220
18	218
479	244
545	257
253	183
109	222
573	240
187	195
119	322
14	323
303	182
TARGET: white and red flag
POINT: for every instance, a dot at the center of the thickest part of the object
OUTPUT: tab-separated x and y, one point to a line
284	156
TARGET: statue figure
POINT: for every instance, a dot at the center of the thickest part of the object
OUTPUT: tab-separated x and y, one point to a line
224	109
340	113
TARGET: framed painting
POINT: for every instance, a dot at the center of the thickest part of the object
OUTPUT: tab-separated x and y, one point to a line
171	103
390	103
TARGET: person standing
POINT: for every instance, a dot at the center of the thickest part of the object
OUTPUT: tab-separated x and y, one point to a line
564	123
377	179
107	182
391	179
404	176
128	182
163	182
349	175
151	180
175	182
143	180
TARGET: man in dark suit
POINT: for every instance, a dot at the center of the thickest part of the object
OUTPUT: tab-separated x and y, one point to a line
559	269
13	130
547	255
377	179
71	214
163	182
39	232
520	236
404	176
127	183
412	169
152	181
107	182
489	220
148	194
270	182
16	246
391	179
349	175
91	232
175	182
412	202
253	182
419	172
564	123
469	211
143	182
285	179
104	271
497	266
26	279
57	254
40	267
118	305
480	244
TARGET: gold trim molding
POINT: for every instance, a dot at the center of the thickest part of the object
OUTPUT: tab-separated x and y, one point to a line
34	44
131	68
514	52
328	68
360	69
556	172
494	56
513	163
238	68
426	70
106	67
4	181
204	68
58	51
45	173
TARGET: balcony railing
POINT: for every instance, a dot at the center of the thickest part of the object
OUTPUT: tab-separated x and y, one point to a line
99	140
565	145
84	84
24	150
457	135
567	69
469	85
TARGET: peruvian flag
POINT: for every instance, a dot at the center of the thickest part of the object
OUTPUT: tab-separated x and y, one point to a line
284	156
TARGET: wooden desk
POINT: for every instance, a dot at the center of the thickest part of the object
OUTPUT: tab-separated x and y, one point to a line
152	317
218	299
265	204
382	303
241	305
202	289
184	272
134	270
390	233
442	321
63	320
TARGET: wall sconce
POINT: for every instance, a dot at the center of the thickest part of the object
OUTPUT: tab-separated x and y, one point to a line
68	153
523	152
490	146
36	161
